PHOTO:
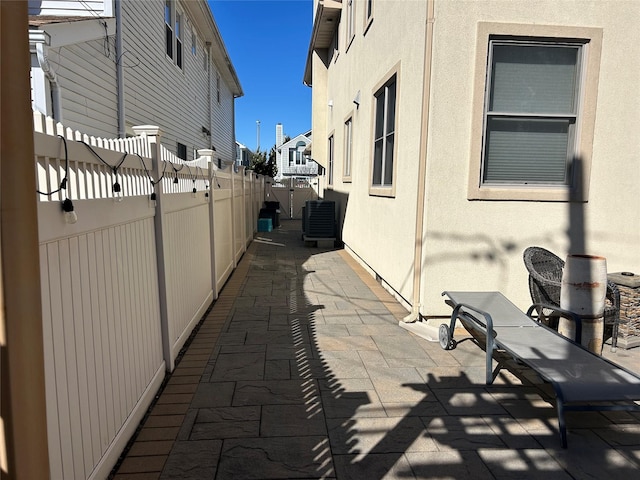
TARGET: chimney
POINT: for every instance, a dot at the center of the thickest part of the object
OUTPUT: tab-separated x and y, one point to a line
279	135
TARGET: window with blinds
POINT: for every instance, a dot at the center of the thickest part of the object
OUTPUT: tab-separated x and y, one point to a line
531	112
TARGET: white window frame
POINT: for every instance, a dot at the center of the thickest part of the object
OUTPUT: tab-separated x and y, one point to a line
335	43
179	27
174	24
382	188
348	148
351	31
168	27
300	147
368	15
330	159
577	186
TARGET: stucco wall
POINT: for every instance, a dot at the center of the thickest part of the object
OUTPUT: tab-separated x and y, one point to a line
379	230
477	245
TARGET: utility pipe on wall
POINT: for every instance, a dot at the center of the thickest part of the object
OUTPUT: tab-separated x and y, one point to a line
422	167
43	61
122	128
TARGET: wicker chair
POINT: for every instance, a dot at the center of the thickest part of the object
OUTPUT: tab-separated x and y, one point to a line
545	278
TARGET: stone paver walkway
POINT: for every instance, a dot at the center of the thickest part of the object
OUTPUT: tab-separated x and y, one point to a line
300	370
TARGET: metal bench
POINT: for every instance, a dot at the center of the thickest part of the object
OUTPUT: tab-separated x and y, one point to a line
581	379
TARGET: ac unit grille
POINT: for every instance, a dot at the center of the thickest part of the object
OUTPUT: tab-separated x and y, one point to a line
320	219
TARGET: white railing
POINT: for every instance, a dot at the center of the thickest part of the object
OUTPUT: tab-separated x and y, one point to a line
125	277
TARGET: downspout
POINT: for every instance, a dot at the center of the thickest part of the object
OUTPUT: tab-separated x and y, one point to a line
122	128
208	53
422	167
43	60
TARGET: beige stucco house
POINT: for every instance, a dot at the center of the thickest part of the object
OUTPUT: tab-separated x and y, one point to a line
457	133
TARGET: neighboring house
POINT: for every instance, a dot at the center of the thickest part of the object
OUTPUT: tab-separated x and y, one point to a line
457	133
294	160
243	155
103	66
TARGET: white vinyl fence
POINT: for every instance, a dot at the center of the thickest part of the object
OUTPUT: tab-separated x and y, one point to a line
153	242
292	193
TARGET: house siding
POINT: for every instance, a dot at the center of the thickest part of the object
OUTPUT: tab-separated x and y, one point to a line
86	75
181	101
86	8
179	96
222	133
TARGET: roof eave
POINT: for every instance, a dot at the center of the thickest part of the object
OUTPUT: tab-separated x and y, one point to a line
326	21
202	16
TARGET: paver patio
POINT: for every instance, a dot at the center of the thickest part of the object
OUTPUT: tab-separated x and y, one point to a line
300	370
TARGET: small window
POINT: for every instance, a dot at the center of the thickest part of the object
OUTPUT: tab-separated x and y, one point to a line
348	147
181	151
350	21
218	87
168	22
335	43
368	14
330	162
384	135
300	146
194	43
179	40
292	156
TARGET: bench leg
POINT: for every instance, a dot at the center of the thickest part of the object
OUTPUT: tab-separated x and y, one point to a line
562	426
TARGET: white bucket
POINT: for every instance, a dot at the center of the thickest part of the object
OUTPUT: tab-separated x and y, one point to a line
583	291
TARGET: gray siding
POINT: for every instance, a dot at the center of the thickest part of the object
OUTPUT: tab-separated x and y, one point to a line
158	92
87	78
181	101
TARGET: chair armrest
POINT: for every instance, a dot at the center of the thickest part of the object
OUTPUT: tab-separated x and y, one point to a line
555	311
613	295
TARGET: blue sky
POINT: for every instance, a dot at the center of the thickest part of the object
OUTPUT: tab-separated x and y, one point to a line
268	41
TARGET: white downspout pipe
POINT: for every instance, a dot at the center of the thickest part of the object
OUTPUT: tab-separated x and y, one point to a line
43	61
122	128
414	315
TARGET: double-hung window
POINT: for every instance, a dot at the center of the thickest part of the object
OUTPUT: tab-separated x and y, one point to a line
331	159
173	26
168	27
300	146
348	148
368	14
384	137
179	39
350	22
531	112
534	111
